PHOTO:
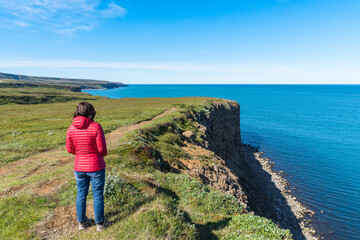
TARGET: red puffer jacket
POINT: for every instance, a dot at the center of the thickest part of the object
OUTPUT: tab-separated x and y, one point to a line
86	140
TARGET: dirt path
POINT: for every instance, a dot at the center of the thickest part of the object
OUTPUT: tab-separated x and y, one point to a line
42	162
113	137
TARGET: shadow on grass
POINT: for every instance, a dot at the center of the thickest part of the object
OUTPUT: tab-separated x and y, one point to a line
204	231
122	213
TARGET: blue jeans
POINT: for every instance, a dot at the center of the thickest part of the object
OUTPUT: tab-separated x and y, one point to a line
97	182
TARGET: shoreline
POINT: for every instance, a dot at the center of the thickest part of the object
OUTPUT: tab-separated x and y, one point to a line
303	214
300	211
95	89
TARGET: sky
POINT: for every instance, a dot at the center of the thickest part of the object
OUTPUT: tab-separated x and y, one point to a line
183	42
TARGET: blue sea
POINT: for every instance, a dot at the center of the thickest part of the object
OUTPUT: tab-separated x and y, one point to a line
312	132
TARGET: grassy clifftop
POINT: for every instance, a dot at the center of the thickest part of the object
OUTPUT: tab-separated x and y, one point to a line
152	191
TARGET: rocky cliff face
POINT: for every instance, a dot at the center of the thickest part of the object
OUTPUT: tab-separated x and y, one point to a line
262	191
221	125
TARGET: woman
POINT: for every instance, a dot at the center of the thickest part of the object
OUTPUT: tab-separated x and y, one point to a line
86	140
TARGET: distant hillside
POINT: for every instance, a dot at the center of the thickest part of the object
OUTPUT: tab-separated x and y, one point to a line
83	83
21	89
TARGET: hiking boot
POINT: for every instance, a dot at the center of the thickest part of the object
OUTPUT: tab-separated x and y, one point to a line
85	224
103	225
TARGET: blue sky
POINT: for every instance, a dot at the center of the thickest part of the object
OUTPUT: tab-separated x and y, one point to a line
188	41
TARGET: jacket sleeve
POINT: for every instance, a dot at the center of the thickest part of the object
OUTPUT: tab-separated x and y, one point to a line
100	141
69	143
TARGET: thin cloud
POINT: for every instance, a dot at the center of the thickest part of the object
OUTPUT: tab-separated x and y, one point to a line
60	16
113	10
22	24
163	66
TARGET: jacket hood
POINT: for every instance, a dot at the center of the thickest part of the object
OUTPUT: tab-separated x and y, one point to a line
81	122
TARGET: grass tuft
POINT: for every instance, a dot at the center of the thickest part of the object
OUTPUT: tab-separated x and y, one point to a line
254	227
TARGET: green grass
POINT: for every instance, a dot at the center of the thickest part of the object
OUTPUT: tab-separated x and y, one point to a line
19	214
144	198
253	227
158	221
17	179
119	192
201	198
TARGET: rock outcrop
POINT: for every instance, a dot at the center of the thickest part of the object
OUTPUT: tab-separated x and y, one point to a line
189	135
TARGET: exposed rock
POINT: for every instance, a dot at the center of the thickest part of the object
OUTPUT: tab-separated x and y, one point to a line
216	168
211	169
190	135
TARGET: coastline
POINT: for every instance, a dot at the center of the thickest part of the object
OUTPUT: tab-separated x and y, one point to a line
305	230
300	211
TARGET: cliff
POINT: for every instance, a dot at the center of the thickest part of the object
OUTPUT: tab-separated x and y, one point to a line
263	191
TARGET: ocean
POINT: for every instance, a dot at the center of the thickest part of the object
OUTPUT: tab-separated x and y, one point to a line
312	132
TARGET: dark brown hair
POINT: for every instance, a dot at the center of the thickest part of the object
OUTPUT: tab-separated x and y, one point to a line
85	109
